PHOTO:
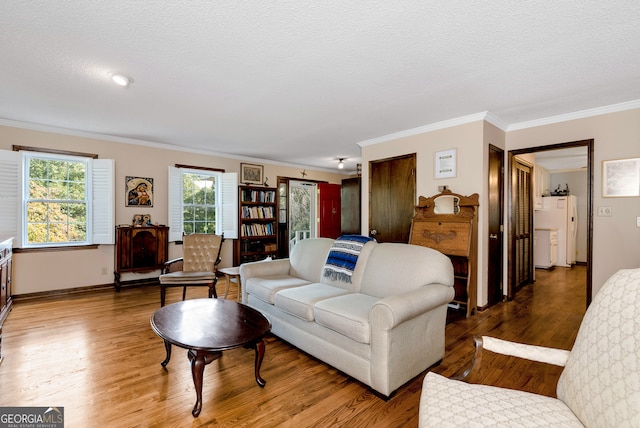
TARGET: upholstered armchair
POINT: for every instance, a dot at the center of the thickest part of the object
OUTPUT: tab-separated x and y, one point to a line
599	385
196	267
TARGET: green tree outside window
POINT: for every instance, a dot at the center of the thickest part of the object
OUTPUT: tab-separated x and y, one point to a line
56	202
199	203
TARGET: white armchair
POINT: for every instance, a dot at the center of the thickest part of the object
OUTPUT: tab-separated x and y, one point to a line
599	385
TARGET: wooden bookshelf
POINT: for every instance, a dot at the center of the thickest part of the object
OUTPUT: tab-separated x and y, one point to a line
257	224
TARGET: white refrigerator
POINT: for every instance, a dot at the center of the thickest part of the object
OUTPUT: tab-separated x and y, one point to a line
560	212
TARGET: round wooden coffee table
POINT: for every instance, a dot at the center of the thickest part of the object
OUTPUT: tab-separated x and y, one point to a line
206	327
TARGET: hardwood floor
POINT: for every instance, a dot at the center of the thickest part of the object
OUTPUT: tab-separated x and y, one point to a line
96	355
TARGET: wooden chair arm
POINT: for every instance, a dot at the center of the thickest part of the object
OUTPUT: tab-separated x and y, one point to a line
475	361
540	354
173	265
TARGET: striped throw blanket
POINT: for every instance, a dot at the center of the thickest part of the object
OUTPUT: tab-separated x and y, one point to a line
343	256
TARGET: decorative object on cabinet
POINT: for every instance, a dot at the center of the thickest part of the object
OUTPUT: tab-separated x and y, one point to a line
251	174
448	222
140	249
139	191
257	224
621	178
6	302
137	220
446	162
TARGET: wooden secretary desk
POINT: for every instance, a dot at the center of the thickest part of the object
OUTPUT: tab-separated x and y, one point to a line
448	222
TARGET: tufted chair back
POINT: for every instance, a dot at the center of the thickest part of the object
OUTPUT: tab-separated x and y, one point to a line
200	252
601	380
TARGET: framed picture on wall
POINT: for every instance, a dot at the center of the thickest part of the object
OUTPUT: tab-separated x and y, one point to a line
139	191
251	174
446	163
621	178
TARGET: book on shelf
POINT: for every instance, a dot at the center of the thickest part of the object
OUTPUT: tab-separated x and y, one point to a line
258	212
257	229
262	196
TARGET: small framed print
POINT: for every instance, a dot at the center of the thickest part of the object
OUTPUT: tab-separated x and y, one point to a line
141	220
139	191
251	174
446	164
621	178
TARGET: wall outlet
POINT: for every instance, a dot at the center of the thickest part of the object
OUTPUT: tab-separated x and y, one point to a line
604	212
103	271
638	221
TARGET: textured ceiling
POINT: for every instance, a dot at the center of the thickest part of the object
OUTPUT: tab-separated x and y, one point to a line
303	82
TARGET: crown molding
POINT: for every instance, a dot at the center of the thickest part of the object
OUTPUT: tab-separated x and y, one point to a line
582	114
146	143
427	128
496	121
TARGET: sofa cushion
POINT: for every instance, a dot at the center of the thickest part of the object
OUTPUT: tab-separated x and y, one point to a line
347	315
307	258
265	288
395	268
299	301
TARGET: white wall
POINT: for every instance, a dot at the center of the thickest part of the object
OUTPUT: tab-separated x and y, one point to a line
617	135
471	177
57	270
616	239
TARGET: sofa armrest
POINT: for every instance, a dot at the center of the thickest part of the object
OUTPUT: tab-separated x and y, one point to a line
394	310
264	268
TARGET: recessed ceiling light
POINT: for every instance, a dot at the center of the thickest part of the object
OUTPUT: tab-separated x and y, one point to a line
121	79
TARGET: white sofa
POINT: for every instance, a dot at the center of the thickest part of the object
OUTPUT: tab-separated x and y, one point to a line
384	328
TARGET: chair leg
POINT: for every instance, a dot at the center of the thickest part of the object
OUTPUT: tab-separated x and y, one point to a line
163	294
184	292
212	289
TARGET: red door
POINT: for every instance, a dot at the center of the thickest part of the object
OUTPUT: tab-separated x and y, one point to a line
329	203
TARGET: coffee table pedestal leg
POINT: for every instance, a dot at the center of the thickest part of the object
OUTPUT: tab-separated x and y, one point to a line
167	347
259	348
198	360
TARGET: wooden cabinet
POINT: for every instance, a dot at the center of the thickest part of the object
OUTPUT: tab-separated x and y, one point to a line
5	283
140	249
455	235
257	224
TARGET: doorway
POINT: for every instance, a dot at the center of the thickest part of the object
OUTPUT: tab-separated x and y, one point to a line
495	289
302	211
589	148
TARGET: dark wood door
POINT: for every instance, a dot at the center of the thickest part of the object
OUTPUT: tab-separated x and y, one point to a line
496	204
330	210
350	219
522	237
392	185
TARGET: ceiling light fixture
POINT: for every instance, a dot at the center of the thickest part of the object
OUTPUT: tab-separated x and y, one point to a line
340	163
121	79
